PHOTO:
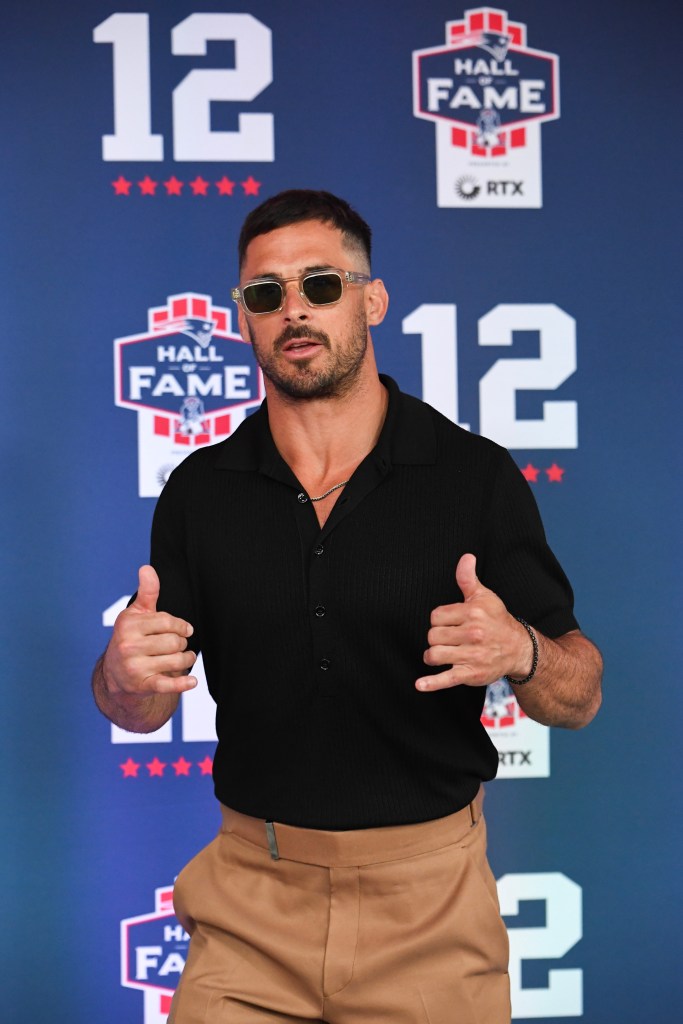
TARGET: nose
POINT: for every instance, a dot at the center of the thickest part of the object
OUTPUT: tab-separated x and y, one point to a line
293	307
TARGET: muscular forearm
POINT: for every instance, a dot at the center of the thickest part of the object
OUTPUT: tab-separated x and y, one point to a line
566	689
130	711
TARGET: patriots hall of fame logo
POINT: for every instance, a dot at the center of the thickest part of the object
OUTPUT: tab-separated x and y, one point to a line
487	93
190	379
153	954
523	745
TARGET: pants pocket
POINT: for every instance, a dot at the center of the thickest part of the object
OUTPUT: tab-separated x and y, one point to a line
185	887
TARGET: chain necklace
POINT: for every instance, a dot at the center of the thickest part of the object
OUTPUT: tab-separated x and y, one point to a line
335	488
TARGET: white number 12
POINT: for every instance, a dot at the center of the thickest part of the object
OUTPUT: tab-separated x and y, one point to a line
193	138
556	362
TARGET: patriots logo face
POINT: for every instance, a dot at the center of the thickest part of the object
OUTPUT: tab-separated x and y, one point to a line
499	700
192	416
495	44
200	331
488	128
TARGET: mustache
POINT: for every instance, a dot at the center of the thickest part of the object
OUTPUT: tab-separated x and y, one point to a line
292	333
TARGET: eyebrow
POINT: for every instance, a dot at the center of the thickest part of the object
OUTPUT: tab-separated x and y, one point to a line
274	276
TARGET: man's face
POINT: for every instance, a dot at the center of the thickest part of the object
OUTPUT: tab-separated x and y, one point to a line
305	351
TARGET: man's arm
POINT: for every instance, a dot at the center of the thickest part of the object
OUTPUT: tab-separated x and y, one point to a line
138	680
480	642
566	688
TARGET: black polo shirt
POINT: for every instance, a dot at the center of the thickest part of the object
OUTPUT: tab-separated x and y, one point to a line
313	638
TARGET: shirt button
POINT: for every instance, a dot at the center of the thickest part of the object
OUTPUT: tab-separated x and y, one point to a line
302	498
320	611
319	550
325	664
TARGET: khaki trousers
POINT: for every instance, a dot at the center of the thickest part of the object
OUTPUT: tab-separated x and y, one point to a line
393	925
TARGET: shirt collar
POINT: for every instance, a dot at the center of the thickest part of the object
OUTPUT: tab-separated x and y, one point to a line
407	438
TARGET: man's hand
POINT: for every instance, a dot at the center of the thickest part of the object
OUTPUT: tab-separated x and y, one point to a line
147	653
138	680
477	638
480	642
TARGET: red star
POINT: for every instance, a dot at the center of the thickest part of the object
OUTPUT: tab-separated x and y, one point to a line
250	186
122	186
206	765
147	186
225	186
173	186
182	767
555	473
199	186
155	767
530	473
130	769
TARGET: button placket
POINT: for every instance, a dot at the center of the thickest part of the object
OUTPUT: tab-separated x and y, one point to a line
320	588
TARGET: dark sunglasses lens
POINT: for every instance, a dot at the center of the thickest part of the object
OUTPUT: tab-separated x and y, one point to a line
321	289
264	297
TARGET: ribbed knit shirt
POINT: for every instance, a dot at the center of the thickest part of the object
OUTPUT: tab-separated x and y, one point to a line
313	638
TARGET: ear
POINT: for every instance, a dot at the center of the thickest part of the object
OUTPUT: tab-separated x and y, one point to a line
376	302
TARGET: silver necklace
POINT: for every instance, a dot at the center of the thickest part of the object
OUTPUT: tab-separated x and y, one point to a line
335	488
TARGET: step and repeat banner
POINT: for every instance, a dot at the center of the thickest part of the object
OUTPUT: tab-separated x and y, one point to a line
520	168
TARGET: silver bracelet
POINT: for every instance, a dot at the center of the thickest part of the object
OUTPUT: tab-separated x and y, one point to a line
534	661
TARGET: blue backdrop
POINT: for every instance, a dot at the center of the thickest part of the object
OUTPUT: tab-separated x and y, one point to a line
571	230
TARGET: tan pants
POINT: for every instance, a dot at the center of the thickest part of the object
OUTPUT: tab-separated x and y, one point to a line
376	926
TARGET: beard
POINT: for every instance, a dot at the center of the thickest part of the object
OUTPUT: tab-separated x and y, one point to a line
301	380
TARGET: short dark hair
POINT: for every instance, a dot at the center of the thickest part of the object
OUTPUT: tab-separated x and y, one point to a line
298	204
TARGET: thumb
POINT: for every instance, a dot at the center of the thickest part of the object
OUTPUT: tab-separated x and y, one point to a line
148	589
466	576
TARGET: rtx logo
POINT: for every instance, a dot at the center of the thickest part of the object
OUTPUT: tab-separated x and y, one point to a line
504	188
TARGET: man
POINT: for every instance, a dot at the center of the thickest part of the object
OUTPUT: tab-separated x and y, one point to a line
355	569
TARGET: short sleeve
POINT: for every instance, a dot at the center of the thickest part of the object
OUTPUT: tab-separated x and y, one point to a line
516	561
169	555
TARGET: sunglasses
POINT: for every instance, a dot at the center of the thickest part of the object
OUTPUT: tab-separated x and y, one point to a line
320	288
